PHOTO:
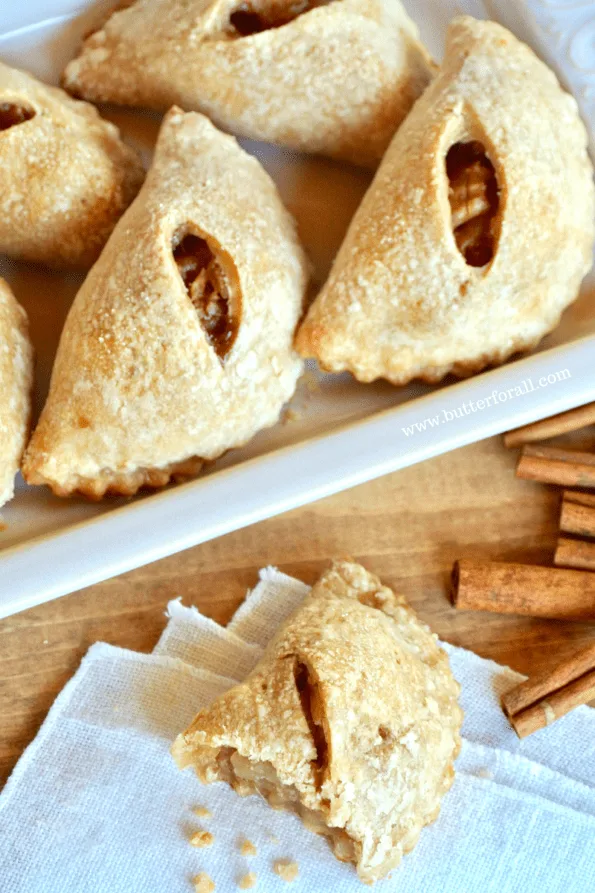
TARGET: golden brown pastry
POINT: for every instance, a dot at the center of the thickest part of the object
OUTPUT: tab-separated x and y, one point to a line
350	719
16	379
179	344
333	78
65	175
476	231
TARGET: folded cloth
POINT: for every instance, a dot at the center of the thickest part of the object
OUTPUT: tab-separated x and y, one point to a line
96	803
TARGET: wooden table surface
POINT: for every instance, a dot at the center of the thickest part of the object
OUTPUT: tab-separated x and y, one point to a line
408	527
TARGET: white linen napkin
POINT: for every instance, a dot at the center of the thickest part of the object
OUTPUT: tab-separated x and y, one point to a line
96	803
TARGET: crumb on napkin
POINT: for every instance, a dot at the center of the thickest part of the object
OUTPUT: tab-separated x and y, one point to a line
248	881
247	848
201	839
203	883
287	870
202	812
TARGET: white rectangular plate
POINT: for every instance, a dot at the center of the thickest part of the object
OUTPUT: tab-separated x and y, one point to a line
338	433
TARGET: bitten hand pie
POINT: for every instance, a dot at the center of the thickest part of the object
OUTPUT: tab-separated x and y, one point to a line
16	379
65	175
350	719
179	344
333	78
476	231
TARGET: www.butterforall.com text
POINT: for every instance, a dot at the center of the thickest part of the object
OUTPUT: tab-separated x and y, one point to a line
525	387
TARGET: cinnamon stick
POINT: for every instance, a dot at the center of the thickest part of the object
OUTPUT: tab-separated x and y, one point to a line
523	589
552	427
579	498
575	553
566	468
540	701
577	518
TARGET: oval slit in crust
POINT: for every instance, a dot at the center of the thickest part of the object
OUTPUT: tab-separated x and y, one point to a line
312	710
14	113
211	290
246	20
474	201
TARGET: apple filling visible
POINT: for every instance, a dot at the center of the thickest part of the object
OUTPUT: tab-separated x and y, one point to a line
248	777
211	291
247	20
12	114
474	200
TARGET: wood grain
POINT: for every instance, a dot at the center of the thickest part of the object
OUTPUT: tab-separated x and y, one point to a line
408	527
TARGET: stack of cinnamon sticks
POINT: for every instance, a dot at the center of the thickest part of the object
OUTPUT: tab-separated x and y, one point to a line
558	592
566	468
577	517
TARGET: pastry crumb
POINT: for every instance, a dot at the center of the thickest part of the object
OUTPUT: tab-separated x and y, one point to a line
274	839
203	883
291	415
201	839
248	881
202	812
287	870
247	848
312	382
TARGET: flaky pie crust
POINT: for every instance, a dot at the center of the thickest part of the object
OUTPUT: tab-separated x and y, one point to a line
338	79
401	302
65	175
350	719
138	393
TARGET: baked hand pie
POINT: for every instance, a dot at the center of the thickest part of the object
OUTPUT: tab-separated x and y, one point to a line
65	174
334	78
476	231
178	346
16	379
350	719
